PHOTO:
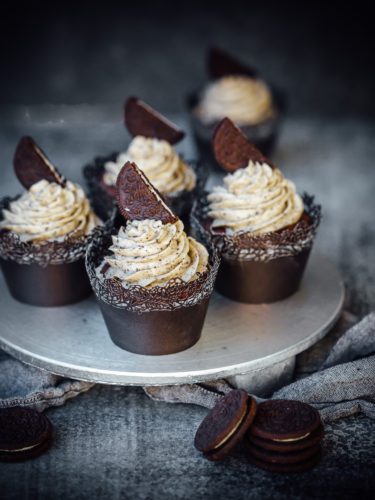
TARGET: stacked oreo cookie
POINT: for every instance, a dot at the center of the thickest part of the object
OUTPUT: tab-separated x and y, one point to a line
278	435
285	436
24	434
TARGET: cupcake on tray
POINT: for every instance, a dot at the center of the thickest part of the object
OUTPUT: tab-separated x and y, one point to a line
44	233
263	228
235	91
152	149
151	280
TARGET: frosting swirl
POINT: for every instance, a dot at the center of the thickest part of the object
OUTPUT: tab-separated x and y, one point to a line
256	199
149	253
48	211
246	101
159	161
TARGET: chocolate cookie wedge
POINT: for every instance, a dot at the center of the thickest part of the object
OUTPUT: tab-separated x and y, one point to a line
225	425
24	434
232	149
141	119
220	63
32	165
137	198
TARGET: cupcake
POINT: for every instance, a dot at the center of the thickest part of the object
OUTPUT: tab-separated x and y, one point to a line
152	150
151	280
262	227
239	93
44	233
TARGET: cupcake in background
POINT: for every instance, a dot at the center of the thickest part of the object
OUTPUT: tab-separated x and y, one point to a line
152	149
151	280
44	233
237	92
262	227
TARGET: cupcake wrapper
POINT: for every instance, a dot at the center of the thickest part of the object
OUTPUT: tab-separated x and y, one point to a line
259	248
174	296
103	201
42	253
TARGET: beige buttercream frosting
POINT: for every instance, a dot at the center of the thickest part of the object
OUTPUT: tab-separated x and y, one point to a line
159	161
50	212
245	100
149	253
256	199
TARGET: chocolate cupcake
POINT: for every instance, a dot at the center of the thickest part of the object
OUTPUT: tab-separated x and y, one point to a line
152	150
238	92
262	227
44	233
151	280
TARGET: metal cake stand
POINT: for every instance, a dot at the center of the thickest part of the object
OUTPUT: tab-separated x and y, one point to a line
252	346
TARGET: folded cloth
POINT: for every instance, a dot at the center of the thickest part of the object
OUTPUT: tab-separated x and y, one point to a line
23	385
342	386
343	383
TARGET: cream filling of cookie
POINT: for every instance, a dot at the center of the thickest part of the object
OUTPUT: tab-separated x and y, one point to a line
257	199
228	436
149	253
160	163
245	100
21	449
50	212
291	440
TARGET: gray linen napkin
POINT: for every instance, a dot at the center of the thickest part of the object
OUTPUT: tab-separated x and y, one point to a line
344	383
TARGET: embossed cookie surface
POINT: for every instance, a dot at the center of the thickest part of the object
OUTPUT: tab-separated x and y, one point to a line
232	149
282	420
225	425
141	119
31	165
24	433
137	198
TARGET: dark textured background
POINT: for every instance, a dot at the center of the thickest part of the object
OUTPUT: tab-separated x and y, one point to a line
91	52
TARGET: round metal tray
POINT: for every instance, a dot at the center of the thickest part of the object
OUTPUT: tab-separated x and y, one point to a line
72	341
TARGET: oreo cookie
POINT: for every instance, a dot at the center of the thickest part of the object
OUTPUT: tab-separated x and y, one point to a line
141	119
286	468
31	165
288	446
137	199
231	148
24	434
220	64
285	436
277	457
285	421
225	425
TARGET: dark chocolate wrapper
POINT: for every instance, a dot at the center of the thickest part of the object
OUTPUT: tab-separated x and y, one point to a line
51	285
102	197
257	282
155	332
264	136
260	268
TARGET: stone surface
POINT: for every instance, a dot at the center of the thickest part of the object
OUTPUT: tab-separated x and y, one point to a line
116	443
